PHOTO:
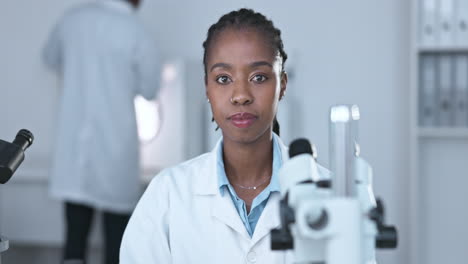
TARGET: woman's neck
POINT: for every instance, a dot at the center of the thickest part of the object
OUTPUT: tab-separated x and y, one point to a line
248	164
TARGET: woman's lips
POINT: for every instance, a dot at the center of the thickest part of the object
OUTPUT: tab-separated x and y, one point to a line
242	120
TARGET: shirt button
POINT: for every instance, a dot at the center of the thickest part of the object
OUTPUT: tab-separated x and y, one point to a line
252	257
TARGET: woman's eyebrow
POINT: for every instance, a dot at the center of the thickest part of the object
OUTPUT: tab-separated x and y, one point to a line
251	65
260	63
220	65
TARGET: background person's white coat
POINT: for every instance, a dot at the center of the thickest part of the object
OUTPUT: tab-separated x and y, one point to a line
105	58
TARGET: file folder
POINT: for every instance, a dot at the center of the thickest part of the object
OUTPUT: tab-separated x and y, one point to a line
427	91
428	23
445	95
461	24
461	90
447	22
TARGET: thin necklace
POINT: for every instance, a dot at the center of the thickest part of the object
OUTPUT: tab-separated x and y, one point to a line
251	187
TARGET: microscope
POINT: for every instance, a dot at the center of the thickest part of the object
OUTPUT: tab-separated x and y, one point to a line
335	218
11	156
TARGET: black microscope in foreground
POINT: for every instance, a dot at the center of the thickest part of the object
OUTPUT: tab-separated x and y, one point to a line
11	156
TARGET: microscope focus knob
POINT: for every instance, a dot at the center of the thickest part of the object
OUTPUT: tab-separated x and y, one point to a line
387	237
281	239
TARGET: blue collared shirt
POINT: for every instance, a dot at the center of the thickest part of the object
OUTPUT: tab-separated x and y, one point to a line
258	204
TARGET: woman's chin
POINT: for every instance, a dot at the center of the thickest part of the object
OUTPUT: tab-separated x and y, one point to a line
244	137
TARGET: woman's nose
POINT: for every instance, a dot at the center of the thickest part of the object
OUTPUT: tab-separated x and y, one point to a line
241	96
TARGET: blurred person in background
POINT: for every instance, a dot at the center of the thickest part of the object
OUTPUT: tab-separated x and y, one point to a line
104	58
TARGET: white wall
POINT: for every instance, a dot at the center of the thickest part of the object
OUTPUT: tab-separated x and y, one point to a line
341	52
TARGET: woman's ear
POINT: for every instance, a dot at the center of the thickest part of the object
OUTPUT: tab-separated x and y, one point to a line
283	84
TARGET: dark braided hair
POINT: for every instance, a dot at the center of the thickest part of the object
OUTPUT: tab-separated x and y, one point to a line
247	19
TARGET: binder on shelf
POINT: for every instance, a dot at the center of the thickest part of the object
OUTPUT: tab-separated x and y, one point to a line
427	91
461	23
445	91
447	22
428	23
461	90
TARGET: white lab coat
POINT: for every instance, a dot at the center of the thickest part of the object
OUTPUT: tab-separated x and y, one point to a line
105	58
182	218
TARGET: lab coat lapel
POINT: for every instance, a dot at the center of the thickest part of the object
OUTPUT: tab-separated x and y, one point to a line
223	208
269	218
224	211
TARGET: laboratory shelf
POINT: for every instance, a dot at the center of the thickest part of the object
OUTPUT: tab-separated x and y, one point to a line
443	132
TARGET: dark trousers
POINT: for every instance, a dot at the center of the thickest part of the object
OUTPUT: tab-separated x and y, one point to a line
78	223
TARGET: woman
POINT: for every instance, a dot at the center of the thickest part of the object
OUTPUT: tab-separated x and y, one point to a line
221	206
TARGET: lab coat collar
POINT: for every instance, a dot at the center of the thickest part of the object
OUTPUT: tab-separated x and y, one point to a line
223	208
208	181
269	219
121	5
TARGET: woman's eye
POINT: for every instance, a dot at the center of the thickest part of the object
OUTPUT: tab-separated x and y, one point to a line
259	78
223	79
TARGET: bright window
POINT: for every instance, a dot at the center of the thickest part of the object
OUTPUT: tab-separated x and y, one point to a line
149	118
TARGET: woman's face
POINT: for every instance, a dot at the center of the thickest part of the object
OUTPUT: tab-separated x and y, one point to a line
244	83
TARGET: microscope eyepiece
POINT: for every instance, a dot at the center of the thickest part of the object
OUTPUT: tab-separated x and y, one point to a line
12	154
24	138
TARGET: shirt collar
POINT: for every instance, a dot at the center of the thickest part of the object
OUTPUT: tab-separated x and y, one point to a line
277	163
